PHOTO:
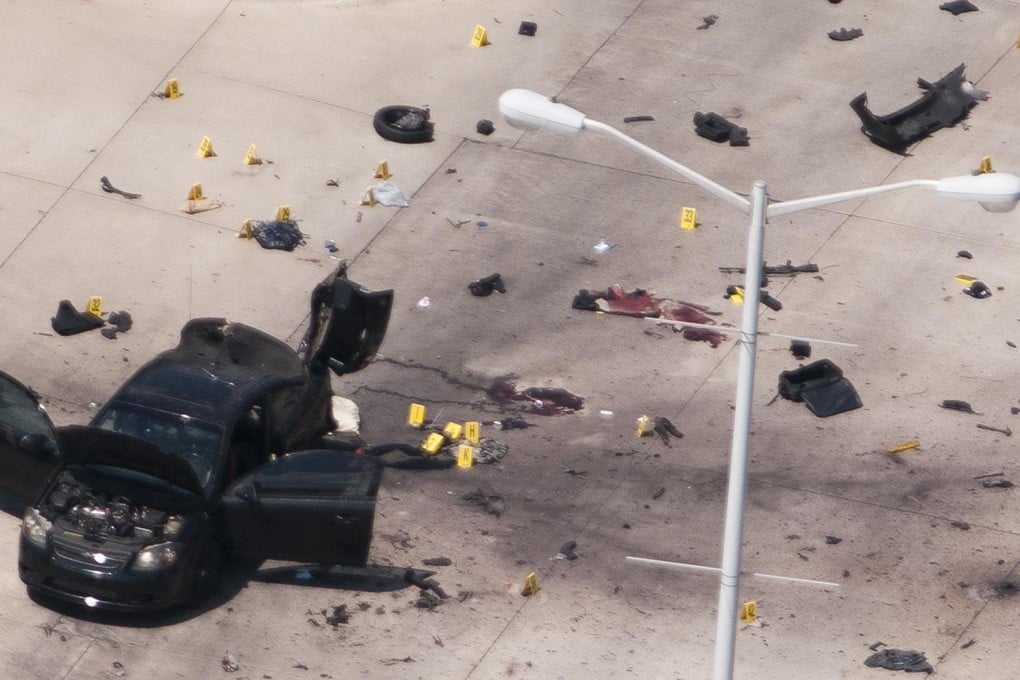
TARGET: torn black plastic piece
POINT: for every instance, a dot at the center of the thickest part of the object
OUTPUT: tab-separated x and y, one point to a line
822	388
716	128
959	7
944	104
844	34
800	349
527	28
69	321
900	660
484	287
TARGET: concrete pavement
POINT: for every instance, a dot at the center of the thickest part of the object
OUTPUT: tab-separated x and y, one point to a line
301	80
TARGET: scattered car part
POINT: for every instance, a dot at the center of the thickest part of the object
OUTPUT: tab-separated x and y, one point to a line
844	34
957	7
105	185
483	287
708	21
957	405
527	28
403	124
900	660
277	234
716	128
822	388
69	321
943	104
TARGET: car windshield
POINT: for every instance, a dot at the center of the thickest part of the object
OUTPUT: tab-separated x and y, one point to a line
194	440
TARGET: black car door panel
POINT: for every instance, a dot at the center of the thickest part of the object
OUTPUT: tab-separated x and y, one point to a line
28	449
307	506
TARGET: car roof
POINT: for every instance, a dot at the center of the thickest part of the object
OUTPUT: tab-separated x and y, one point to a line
216	370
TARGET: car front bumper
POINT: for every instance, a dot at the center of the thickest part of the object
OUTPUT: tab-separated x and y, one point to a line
120	589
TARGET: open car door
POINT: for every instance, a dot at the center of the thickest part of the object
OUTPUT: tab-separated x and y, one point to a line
308	506
28	444
348	323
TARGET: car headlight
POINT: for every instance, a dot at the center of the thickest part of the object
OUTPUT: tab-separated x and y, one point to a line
35	527
155	557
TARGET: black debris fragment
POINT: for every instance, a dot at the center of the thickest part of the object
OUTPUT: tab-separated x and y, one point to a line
69	321
277	234
997	484
900	660
844	34
437	561
567	551
716	128
957	7
484	127
978	290
659	493
957	405
969	643
708	21
483	287
511	423
960	524
105	185
1006	589
800	349
427	600
427	584
637	119
822	388
875	645
119	322
943	104
528	28
770	302
965	254
833	540
664	428
337	615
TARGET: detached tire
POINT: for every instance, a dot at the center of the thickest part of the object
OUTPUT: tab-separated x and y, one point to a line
403	124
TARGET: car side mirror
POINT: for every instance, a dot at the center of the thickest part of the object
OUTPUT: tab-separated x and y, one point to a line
37	444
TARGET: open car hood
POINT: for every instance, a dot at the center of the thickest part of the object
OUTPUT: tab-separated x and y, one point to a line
84	445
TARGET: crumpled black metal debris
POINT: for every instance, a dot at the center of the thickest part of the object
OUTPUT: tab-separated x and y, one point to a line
845	34
664	428
483	287
716	128
957	405
978	290
822	388
943	104
278	234
900	660
528	28
69	321
959	7
119	322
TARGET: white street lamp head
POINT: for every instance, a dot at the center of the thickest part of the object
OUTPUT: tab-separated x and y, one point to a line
995	191
533	111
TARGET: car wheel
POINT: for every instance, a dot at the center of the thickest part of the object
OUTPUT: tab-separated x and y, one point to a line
207	571
404	124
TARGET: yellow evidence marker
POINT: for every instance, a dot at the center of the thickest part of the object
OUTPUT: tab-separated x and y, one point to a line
453	430
530	585
749	612
416	415
251	156
688	218
94	306
172	89
465	456
283	213
195	193
433	443
205	149
245	230
480	38
472	431
382	171
905	446
985	166
642	426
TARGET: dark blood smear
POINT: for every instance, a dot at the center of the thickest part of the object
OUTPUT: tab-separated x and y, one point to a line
543	401
640	303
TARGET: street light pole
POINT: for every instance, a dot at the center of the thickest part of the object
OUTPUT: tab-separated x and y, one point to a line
729	579
996	192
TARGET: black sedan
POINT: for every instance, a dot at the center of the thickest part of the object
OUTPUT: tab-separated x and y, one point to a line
213	445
